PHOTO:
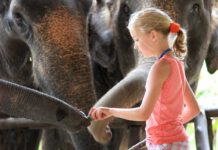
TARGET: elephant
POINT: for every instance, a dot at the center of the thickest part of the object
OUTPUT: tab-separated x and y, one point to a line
105	63
192	16
56	69
106	70
43	50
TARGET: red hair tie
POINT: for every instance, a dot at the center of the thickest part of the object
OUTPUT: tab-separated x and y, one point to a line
174	27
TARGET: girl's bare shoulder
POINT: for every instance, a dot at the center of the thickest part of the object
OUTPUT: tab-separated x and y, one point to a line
161	69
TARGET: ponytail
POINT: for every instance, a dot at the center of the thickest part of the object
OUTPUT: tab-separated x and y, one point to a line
154	19
179	45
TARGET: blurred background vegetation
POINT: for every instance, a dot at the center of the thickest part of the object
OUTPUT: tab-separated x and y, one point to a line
207	92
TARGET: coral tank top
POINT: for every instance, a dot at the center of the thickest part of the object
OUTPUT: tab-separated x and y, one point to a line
165	124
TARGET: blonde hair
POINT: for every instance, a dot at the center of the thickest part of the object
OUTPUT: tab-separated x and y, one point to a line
154	19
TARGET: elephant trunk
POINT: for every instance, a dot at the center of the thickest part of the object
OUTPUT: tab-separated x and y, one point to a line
126	93
61	60
23	102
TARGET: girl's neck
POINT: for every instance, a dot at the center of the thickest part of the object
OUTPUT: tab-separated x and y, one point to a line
164	53
161	49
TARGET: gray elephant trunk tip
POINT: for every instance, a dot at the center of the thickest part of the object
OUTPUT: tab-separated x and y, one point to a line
89	118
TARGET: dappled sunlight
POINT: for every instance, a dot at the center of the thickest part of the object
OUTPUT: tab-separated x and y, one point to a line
207	92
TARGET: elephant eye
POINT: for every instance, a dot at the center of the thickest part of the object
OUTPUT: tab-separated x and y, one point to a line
22	25
18	19
196	8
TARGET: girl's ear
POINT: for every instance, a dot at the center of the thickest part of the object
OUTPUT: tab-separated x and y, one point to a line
154	35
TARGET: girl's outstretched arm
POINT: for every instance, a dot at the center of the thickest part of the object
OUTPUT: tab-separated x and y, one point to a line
158	74
191	108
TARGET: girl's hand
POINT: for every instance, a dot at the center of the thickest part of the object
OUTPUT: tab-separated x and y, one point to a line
100	113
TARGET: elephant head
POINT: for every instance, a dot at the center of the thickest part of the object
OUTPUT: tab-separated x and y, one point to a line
102	48
54	32
58	50
192	15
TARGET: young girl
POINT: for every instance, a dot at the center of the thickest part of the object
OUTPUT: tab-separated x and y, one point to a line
168	102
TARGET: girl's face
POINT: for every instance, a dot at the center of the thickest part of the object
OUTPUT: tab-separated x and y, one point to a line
144	42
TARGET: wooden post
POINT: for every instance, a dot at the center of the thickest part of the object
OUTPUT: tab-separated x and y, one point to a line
15	123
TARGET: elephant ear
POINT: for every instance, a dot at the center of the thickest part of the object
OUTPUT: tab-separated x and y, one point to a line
212	55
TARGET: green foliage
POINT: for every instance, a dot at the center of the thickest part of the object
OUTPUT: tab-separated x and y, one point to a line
207	86
40	146
190	129
215	125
